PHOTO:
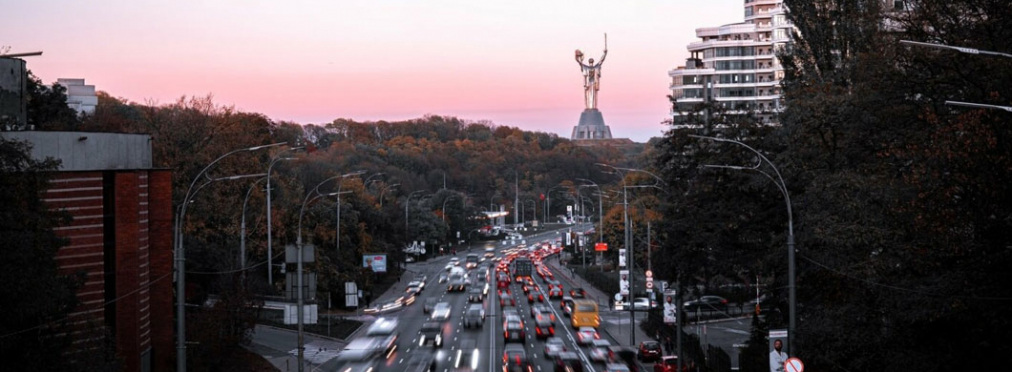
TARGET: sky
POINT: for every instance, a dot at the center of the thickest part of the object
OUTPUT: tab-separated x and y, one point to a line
509	62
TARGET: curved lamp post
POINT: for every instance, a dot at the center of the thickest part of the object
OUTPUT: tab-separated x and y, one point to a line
270	248
384	190
340	184
181	259
779	182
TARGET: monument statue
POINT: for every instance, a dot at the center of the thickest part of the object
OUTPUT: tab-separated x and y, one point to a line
591	76
591	125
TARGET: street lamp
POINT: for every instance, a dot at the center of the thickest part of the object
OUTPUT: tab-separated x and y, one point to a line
181	259
242	229
270	250
384	190
407	202
967	51
779	182
548	197
600	209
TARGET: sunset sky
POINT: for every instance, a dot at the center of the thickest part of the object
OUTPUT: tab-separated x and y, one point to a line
510	62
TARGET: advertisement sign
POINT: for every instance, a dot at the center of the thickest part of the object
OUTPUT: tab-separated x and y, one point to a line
670	307
601	247
376	262
621	257
623	282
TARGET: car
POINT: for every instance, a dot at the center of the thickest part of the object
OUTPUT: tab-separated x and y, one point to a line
441	311
542	310
623	356
554	345
555	292
706	303
649	351
419	362
566	305
510	313
641	303
443	277
577	293
543	328
418	284
449	267
431	332
365	348
667	363
567	361
615	367
513	330
587	335
535	295
514	359
382	327
600	351
475	294
455	261
430	303
465	358
506	300
474	316
413	290
457	282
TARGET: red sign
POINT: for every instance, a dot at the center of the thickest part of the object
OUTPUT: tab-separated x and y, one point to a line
542	196
601	247
794	365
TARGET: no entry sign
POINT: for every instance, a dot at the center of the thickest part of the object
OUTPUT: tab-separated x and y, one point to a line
794	365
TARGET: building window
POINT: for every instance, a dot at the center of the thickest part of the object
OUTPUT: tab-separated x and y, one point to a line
748	11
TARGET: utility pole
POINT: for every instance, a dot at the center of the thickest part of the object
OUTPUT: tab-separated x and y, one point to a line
649	266
629	251
516	198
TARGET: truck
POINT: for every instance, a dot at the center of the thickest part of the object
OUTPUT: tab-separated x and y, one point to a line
522	268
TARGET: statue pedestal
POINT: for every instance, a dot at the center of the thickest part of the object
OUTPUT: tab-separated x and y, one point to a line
591	126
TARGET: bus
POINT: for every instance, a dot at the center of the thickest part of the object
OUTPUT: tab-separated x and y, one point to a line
471	261
585	314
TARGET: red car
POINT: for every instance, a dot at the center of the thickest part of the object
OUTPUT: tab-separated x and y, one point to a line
667	364
649	351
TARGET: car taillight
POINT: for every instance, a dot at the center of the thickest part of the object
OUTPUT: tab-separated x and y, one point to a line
506	334
597	336
538	330
723	302
551	330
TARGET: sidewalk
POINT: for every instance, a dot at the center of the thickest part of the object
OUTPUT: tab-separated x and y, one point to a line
615	323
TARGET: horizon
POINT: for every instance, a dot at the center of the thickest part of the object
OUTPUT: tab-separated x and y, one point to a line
313	62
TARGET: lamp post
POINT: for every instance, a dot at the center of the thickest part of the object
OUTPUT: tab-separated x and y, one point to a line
340	184
548	204
298	272
779	182
600	209
407	202
270	250
967	51
242	233
181	259
627	241
384	190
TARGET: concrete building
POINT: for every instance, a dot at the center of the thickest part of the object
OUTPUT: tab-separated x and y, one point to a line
735	65
119	238
13	84
80	97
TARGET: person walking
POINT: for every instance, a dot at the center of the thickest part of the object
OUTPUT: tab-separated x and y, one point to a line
777	357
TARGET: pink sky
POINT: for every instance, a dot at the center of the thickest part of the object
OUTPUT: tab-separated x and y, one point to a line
510	62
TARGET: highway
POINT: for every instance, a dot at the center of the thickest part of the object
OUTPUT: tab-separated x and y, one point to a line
489	338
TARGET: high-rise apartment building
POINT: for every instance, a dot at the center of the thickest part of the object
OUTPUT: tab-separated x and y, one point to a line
735	65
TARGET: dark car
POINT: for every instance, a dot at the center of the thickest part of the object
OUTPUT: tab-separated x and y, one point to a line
577	293
706	303
432	332
555	292
535	295
474	316
649	351
543	328
475	294
513	330
568	361
420	362
465	359
506	300
514	359
624	356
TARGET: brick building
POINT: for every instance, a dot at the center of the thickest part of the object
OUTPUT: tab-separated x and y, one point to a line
120	239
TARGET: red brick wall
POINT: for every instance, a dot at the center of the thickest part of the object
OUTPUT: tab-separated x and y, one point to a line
163	355
141	214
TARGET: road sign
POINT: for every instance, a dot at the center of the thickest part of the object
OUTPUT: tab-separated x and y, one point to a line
618	297
670	307
621	257
663	285
350	294
650	282
794	365
649	274
569	238
623	282
292	253
600	247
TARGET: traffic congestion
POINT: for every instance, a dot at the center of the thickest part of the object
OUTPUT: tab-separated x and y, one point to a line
498	310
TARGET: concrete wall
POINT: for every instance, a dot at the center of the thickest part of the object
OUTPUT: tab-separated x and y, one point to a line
87	151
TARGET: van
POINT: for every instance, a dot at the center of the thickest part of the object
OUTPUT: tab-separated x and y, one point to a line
584	314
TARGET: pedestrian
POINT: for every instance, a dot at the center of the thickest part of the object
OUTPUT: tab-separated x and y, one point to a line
670	345
777	357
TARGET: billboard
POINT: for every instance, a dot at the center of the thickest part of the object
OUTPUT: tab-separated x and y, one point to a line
623	282
376	262
601	247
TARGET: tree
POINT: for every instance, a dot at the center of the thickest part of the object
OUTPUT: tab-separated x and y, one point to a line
47	106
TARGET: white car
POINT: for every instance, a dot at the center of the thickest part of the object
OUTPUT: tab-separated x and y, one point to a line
455	261
641	303
586	336
600	351
441	311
